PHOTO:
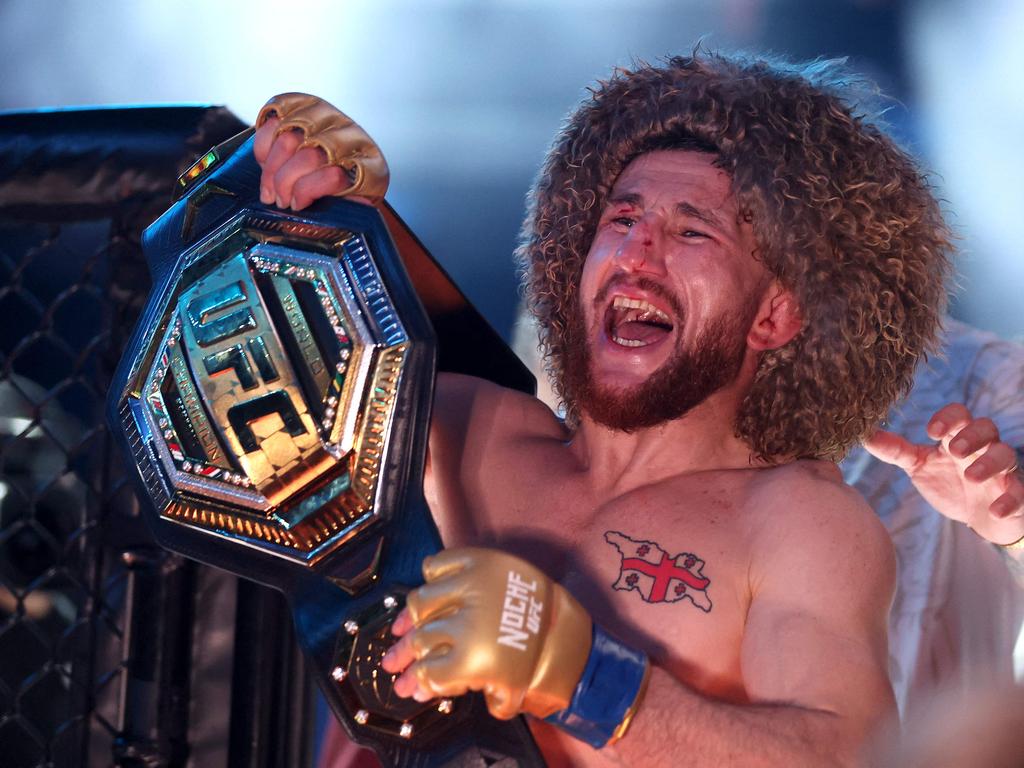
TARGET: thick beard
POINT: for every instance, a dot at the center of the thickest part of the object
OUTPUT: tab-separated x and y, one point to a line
685	381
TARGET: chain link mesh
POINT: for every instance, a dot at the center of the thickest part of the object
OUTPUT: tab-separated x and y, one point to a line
70	293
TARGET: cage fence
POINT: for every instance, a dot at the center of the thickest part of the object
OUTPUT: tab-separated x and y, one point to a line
112	651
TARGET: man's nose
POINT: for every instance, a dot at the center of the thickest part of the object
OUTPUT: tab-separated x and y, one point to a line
640	249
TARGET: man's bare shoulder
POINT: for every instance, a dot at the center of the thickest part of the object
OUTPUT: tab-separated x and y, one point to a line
809	519
470	404
809	496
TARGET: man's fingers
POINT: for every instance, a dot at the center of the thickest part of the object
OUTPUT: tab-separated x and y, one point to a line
324	181
974	437
1012	501
438	675
948	420
432	639
407	684
281	151
302	163
431	676
1007	506
431	601
399	656
402	623
264	138
895	449
996	461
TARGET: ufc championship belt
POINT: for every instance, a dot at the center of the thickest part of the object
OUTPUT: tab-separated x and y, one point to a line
275	399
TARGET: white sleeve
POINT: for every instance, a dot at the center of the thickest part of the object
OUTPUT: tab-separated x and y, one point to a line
994	387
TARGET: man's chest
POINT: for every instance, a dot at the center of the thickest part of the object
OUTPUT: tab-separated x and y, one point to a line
663	569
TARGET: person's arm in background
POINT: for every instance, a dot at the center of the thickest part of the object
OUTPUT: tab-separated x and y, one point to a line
972	473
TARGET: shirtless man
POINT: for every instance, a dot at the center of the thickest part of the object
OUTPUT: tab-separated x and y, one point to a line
735	276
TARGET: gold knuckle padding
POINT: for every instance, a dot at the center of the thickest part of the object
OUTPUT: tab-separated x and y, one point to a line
514	633
450	562
345	144
432	640
437	596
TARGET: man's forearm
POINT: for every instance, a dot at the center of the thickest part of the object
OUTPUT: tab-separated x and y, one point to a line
675	724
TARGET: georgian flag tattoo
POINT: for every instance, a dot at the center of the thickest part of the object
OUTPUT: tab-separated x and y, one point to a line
656	576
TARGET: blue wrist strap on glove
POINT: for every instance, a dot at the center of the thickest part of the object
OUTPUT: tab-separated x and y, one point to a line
605	699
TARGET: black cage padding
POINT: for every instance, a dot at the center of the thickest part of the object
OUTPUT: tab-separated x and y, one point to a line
112	651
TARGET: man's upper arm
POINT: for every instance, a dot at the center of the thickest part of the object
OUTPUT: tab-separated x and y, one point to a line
475	425
822	582
456	398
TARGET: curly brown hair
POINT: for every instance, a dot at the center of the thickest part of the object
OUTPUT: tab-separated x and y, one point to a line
843	218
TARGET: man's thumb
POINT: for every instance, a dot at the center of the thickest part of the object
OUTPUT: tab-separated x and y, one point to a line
894	449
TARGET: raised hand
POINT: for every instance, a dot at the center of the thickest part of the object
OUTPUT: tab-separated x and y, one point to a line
969	474
309	149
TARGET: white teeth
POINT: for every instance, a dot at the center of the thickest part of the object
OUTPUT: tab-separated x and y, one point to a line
648	309
629	342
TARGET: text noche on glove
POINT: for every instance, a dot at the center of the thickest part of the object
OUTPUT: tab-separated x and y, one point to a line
487	621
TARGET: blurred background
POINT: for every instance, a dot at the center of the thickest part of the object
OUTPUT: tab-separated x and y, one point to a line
465	95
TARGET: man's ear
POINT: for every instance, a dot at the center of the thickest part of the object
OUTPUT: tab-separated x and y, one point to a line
777	321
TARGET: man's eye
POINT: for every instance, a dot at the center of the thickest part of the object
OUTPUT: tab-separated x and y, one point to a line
691	233
624	221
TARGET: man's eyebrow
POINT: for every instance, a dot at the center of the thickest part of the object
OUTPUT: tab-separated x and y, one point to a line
626	198
683	209
701	214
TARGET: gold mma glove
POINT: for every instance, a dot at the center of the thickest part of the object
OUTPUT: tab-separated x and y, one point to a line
487	621
339	136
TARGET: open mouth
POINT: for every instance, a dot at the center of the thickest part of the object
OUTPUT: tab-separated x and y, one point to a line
635	323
